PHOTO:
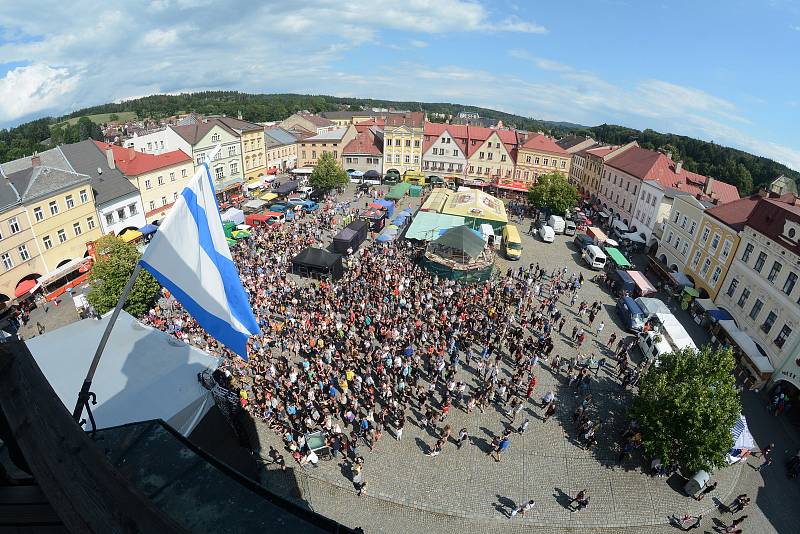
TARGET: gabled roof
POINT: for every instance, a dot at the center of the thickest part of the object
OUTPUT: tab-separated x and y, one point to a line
277	136
49	158
37	182
133	163
239	125
433	131
376	123
193	133
480	135
735	214
570	141
366	142
602	151
651	165
316	120
770	215
333	135
542	143
108	184
412	119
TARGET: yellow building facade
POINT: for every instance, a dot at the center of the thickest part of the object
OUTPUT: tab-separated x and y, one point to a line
251	135
541	155
712	253
20	257
403	136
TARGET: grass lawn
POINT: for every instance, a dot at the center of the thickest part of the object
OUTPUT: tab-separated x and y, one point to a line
100	118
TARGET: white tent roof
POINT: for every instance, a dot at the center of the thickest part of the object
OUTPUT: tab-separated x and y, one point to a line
621	226
144	373
633	236
747	344
233	215
672	327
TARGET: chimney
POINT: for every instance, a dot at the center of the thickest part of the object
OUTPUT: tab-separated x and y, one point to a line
110	158
36	160
708	185
678	167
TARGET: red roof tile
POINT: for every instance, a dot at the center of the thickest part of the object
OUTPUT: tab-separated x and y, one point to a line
365	125
414	119
365	142
651	165
133	163
433	131
480	135
770	216
601	151
542	143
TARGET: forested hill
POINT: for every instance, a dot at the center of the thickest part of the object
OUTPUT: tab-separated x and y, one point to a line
740	168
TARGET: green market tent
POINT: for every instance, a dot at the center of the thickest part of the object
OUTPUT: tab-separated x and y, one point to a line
617	257
398	191
461	239
427	225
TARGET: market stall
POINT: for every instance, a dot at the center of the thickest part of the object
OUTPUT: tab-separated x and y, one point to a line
756	367
233	215
318	263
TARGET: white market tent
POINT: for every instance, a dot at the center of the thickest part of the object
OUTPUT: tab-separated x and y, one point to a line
747	345
303	170
742	440
144	373
234	215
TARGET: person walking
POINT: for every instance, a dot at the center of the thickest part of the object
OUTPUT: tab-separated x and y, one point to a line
581	499
462	437
549	411
523	427
708	489
733	527
502	446
767	455
437	448
600	328
527	507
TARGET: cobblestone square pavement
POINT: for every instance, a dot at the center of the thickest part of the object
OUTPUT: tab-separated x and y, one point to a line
468	489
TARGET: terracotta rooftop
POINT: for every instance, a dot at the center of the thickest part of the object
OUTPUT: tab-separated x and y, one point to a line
133	163
316	120
770	215
413	119
366	142
366	125
433	131
542	143
651	165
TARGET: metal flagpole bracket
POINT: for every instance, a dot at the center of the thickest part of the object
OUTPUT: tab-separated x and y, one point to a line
85	394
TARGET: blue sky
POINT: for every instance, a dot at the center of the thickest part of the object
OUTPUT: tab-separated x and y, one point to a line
722	71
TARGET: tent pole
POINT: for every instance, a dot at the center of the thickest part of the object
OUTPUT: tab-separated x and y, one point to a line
85	395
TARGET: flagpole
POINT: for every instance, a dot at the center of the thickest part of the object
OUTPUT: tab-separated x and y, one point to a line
85	395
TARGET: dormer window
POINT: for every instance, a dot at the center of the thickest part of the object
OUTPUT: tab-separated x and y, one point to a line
791	231
215	138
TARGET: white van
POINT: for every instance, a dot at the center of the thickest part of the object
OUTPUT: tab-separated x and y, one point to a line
557	224
489	236
594	257
547	233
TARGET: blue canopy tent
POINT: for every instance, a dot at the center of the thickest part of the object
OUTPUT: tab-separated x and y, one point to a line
148	229
720	315
388	205
742	440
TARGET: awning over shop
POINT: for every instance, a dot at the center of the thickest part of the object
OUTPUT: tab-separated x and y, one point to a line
272	170
633	236
356	174
720	315
268	196
617	257
621	226
303	170
254	204
513	186
25	286
130	235
748	346
256	184
81	263
705	304
645	287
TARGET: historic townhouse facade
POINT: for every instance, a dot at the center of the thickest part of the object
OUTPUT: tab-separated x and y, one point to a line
491	154
281	146
20	256
760	289
312	148
595	161
313	124
251	136
540	155
444	150
403	136
158	178
364	152
681	229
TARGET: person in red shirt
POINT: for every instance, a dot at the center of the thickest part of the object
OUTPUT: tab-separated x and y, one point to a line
531	386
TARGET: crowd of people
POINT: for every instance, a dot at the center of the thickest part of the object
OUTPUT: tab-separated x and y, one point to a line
355	357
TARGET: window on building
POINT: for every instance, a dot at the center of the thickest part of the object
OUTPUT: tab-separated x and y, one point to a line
773	273
183	172
121	214
726	249
563	163
160	180
13	225
199	160
215	138
480	155
163	201
397	142
38	214
152	205
62	236
234	168
53	207
231	151
148	185
76	227
24	255
132	209
313	154
677	216
407	159
70	201
416	162
732	287
769	322
789	284
762	258
544	161
705	267
8	263
685	249
743	297
172	177
783	336
84	196
90	223
704	236
47	243
536	161
692	228
715	242
455	152
756	309
174	196
109	219
219	172
748	250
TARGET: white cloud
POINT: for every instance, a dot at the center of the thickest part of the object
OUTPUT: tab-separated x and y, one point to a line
34	88
515	24
416	43
795	28
160	38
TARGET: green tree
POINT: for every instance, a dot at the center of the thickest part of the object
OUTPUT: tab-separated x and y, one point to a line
113	117
116	260
328	174
687	406
553	192
84	128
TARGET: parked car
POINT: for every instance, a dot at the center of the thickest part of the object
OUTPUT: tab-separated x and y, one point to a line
569	228
547	233
305	190
582	241
556	223
286	209
308	206
295	201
